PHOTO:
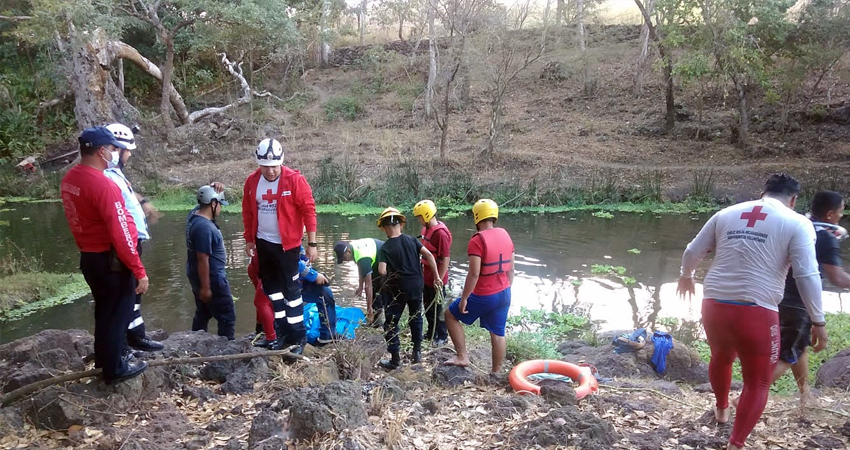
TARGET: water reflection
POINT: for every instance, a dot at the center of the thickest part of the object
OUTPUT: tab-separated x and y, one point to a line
554	266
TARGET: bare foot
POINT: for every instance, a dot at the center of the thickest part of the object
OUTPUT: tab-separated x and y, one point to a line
809	399
721	415
457	361
733	402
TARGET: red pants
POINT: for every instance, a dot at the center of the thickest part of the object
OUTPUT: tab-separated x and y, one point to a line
265	312
750	333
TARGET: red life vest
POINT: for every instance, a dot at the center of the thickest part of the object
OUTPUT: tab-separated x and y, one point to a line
498	248
427	235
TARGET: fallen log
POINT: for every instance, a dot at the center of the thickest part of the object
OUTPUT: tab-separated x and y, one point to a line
38	385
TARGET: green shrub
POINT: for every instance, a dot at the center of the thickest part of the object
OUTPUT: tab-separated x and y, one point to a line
550	324
525	345
347	108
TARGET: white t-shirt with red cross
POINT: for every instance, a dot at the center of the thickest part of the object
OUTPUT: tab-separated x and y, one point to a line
268	228
754	243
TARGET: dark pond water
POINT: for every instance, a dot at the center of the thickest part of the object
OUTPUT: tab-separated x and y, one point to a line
555	256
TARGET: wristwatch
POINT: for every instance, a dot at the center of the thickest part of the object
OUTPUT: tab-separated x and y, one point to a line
313	244
818	324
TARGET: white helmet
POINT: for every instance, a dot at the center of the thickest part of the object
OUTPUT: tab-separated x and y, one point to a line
123	134
269	153
206	194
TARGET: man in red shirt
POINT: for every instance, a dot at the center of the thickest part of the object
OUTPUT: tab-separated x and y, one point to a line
487	290
277	206
106	236
437	238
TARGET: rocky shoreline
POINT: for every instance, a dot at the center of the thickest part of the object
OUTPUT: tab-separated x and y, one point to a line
336	400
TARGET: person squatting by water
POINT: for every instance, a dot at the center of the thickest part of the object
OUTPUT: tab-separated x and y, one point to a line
754	243
399	266
795	325
314	289
277	205
205	265
109	260
437	238
364	252
487	290
136	337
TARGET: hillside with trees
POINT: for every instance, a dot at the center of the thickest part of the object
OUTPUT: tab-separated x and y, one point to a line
534	103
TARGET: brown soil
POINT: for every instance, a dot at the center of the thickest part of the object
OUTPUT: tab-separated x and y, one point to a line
552	132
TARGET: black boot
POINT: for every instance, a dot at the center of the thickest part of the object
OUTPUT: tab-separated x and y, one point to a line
392	363
134	368
417	356
144	344
276	344
299	349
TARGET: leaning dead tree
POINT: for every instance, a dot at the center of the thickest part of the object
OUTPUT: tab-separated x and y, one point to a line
107	51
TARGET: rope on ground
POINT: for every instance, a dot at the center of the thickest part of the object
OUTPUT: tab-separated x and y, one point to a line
650	391
39	385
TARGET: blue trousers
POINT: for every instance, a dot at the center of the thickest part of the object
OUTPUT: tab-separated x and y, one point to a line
220	306
322	296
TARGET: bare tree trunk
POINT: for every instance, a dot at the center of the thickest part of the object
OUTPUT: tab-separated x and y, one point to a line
401	27
582	36
464	83
644	53
546	13
495	125
668	66
121	75
432	62
108	51
559	14
97	99
324	47
443	122
167	71
363	6
671	103
744	119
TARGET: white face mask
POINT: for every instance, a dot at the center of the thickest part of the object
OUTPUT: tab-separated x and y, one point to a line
116	156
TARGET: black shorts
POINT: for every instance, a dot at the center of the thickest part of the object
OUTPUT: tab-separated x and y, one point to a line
795	333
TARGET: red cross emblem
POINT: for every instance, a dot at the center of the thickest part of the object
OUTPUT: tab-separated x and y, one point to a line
753	216
269	197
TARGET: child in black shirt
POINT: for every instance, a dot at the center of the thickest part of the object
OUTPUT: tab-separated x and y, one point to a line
399	266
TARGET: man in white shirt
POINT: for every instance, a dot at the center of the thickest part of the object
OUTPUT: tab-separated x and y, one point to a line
136	337
754	243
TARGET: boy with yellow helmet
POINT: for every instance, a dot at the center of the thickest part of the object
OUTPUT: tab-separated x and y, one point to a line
437	238
399	267
487	290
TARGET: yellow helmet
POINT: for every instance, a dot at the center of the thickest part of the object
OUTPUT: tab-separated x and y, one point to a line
426	208
391	212
485	209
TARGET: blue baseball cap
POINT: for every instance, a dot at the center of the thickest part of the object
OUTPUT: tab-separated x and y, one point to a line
99	136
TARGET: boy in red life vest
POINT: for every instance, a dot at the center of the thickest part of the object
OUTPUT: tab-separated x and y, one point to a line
487	290
437	238
277	206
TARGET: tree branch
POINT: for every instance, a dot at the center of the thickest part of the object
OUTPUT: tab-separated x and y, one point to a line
235	69
15	18
39	385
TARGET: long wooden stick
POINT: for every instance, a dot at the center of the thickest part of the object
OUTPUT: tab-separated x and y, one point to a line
38	385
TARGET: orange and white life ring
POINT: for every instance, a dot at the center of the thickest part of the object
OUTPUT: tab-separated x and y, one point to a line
518	378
